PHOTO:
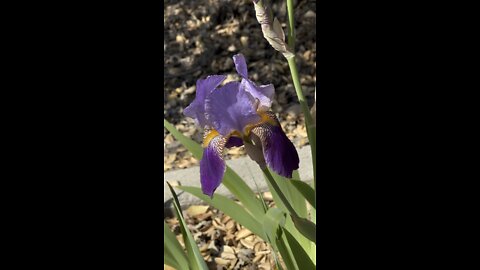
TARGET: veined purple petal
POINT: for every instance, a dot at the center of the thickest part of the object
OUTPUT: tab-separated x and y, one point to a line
264	93
230	108
234	142
196	109
240	65
279	152
212	165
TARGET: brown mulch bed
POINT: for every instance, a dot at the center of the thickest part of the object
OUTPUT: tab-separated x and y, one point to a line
223	243
200	39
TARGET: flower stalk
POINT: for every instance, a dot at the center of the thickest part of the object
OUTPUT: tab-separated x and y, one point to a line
311	126
273	33
291	26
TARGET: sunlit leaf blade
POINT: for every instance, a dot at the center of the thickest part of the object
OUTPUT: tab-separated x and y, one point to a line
173	253
262	199
193	253
304	242
306	227
296	175
242	192
301	257
230	208
276	198
306	191
313	251
275	258
169	259
284	203
231	180
272	222
294	197
286	253
312	138
314	215
284	194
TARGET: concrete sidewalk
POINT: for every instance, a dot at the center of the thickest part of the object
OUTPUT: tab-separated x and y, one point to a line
246	168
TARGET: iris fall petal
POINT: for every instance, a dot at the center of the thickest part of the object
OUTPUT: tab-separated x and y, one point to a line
212	165
279	152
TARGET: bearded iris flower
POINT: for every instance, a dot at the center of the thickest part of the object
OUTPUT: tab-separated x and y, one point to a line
237	114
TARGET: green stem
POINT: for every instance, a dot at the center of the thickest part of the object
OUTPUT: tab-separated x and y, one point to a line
279	192
311	128
308	117
291	26
298	89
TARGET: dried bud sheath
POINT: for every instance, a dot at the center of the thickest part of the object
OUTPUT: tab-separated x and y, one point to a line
271	28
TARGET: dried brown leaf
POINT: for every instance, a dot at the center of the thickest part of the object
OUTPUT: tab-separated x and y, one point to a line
221	261
243	233
195	210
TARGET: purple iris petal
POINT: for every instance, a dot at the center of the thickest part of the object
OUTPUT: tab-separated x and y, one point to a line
240	65
196	109
279	152
212	166
230	108
264	93
234	142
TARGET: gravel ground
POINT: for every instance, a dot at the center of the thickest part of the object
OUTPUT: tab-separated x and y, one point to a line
200	39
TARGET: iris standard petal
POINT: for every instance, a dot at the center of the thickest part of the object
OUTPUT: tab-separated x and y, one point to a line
264	93
279	152
196	109
240	65
230	108
212	165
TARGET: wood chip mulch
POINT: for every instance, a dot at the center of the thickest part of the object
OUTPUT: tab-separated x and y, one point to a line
223	243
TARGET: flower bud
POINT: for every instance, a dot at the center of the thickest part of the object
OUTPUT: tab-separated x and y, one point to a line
271	28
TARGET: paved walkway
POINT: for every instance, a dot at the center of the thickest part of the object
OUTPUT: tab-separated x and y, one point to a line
246	168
